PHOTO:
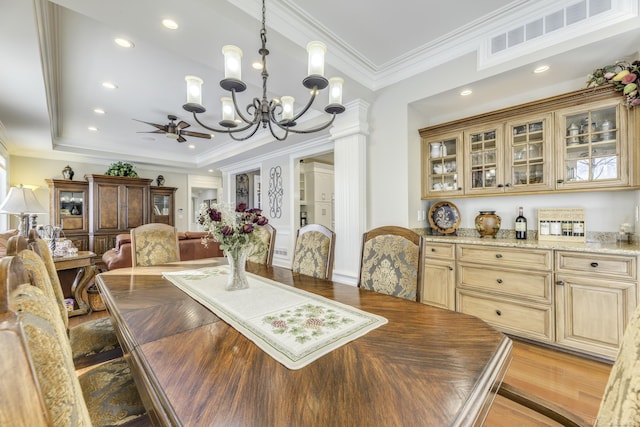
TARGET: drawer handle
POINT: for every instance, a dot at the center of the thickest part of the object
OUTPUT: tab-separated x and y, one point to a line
560	283
499	280
498	255
498	312
594	264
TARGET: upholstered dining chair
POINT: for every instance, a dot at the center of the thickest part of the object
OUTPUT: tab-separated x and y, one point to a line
314	250
103	396
92	342
263	254
620	404
153	244
392	262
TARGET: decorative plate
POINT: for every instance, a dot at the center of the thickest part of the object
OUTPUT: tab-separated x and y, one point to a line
444	217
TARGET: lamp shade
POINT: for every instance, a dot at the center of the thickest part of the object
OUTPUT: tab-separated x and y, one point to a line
21	200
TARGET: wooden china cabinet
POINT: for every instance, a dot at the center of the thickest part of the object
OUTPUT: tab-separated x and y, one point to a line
118	204
68	209
583	140
162	204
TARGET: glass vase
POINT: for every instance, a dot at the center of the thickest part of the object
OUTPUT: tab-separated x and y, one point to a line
237	259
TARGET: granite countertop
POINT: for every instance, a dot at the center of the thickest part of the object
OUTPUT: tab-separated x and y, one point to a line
632	249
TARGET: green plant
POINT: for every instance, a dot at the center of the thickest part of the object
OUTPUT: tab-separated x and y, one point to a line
121	169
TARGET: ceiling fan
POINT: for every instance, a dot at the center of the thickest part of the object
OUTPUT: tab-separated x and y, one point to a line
175	130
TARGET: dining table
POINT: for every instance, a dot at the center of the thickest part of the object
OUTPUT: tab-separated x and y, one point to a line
425	366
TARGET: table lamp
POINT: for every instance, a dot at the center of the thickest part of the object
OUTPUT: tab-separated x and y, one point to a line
22	202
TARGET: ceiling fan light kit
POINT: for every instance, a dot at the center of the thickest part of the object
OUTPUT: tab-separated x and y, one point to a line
263	111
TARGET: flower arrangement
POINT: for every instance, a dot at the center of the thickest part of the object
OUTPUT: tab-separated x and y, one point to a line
623	75
121	169
233	229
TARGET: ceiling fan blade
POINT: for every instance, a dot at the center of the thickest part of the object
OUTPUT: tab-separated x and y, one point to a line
183	125
181	139
153	131
157	126
196	134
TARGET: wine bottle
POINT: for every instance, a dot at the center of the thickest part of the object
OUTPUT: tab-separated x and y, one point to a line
521	225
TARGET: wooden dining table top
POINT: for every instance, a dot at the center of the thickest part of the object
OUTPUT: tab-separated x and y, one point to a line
426	367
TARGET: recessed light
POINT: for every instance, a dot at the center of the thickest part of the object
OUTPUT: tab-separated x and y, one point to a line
98	111
170	24
541	69
191	146
109	85
210	170
123	42
257	65
466	92
93	128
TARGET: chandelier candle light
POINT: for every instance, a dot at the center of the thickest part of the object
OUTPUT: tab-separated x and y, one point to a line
264	111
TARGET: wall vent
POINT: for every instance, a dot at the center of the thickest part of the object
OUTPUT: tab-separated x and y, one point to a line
559	19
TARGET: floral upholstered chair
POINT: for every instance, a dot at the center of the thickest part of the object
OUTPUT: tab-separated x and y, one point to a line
92	342
153	244
103	396
392	262
263	254
313	254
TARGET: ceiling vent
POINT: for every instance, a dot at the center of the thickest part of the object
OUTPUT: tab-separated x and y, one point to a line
553	24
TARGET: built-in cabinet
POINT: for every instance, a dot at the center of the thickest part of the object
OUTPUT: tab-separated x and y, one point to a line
316	194
68	208
118	204
584	140
162	205
580	301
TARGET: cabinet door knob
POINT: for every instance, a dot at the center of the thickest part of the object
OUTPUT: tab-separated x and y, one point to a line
498	312
560	181
450	268
500	185
499	280
594	264
507	185
560	283
498	255
433	249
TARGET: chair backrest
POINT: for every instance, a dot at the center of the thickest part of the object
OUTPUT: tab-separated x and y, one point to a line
22	400
392	262
263	254
49	351
314	250
153	244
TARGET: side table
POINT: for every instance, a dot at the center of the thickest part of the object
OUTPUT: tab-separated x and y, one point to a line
85	271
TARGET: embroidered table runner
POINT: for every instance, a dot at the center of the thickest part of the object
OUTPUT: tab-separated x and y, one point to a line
294	327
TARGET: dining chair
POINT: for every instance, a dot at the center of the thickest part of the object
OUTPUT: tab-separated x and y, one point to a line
92	342
101	396
153	244
392	262
263	254
314	251
620	404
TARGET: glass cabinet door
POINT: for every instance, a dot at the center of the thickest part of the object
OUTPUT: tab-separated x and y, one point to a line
443	166
161	204
528	162
484	154
592	147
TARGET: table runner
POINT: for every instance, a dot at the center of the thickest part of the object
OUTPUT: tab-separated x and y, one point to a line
293	326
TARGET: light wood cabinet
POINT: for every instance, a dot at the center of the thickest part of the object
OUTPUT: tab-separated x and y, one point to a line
583	140
162	205
68	209
509	288
595	297
118	204
317	193
439	275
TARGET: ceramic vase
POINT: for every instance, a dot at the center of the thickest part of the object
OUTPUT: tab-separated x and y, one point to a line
67	173
487	223
237	259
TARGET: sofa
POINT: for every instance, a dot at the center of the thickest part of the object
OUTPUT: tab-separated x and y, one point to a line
190	243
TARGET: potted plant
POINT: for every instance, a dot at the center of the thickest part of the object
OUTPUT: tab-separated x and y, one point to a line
121	169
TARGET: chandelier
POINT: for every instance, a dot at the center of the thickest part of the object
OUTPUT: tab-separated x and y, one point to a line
276	114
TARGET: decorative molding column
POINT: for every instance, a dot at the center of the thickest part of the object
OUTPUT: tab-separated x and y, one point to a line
349	134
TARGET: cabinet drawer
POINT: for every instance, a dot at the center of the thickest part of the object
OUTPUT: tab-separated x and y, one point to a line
535	285
530	259
440	250
596	264
533	321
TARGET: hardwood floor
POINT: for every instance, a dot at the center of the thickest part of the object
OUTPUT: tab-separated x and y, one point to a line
574	382
571	381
